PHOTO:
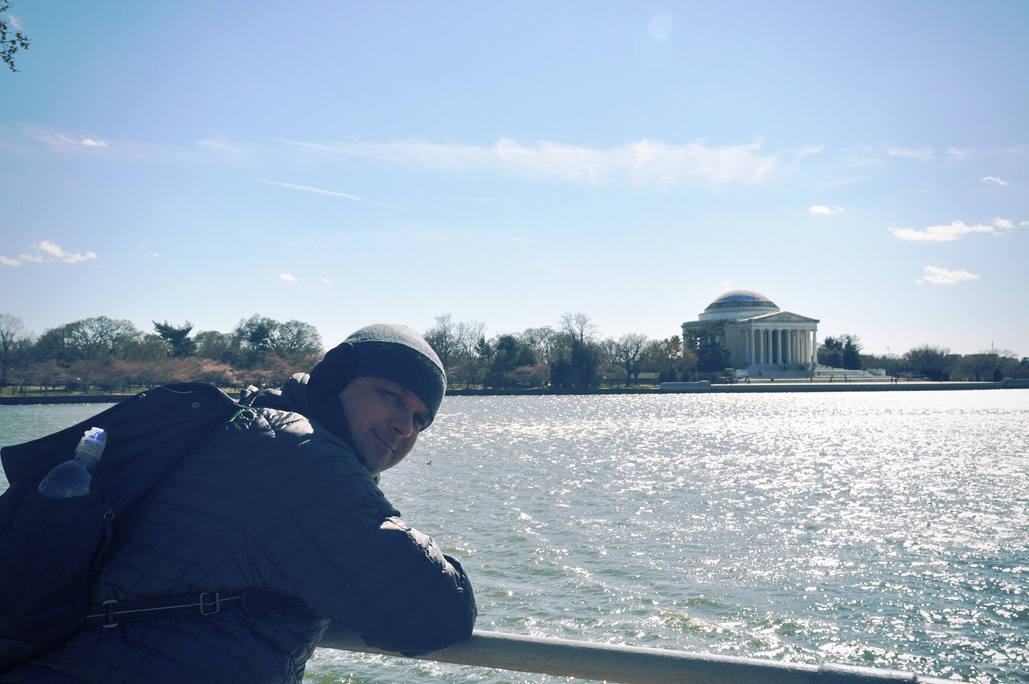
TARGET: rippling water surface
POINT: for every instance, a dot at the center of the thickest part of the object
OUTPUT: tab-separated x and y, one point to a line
885	529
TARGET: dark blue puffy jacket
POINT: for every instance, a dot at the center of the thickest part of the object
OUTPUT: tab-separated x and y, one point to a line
276	502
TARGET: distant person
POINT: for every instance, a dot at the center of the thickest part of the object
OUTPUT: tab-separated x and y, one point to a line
282	504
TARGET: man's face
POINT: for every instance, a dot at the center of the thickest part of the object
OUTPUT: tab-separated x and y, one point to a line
384	419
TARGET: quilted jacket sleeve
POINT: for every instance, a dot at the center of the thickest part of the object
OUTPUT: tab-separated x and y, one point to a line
322	531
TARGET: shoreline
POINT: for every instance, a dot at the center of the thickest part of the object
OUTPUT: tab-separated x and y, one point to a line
740	388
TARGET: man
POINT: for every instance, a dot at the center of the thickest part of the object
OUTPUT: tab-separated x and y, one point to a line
282	505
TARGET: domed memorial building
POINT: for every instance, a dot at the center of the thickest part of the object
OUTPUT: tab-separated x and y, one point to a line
756	334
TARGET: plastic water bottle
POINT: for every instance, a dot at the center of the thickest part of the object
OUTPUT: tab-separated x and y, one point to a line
72	478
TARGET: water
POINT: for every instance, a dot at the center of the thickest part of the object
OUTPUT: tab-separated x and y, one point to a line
886	529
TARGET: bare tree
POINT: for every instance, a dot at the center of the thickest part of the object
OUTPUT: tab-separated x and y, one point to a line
468	335
11	328
579	327
629	352
445	340
990	366
543	341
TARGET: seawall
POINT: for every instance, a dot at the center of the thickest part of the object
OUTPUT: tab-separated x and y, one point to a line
671	388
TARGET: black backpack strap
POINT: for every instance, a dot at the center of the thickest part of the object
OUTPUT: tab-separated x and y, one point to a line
113	612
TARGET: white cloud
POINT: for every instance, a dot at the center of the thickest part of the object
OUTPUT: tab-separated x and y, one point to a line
206	150
994	179
948	232
218	146
318	191
642	162
1004	224
51	249
76	258
326	281
142	251
924	153
941	276
822	210
57	253
553	269
64	140
48	251
288	277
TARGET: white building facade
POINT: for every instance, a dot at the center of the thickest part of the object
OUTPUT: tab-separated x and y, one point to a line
756	333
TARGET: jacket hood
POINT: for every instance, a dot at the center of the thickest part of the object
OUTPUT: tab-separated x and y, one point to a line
295	395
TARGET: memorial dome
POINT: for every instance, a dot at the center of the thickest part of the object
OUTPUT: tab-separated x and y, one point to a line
737	304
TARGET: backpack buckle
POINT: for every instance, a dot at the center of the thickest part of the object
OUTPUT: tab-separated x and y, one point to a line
109	617
209	605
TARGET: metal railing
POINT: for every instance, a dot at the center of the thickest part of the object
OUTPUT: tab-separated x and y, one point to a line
630	664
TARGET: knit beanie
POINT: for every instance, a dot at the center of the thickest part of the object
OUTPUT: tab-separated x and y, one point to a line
392	352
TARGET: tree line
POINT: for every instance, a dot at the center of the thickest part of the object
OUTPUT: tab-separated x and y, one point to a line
925	361
111	355
103	354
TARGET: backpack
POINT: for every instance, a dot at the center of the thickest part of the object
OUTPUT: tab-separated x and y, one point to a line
51	548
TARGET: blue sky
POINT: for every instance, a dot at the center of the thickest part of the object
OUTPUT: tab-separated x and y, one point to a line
343	163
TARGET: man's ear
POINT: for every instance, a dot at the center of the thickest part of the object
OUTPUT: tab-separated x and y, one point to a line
334	372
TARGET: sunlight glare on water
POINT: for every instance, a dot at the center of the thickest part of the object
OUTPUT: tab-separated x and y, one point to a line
877	529
883	529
